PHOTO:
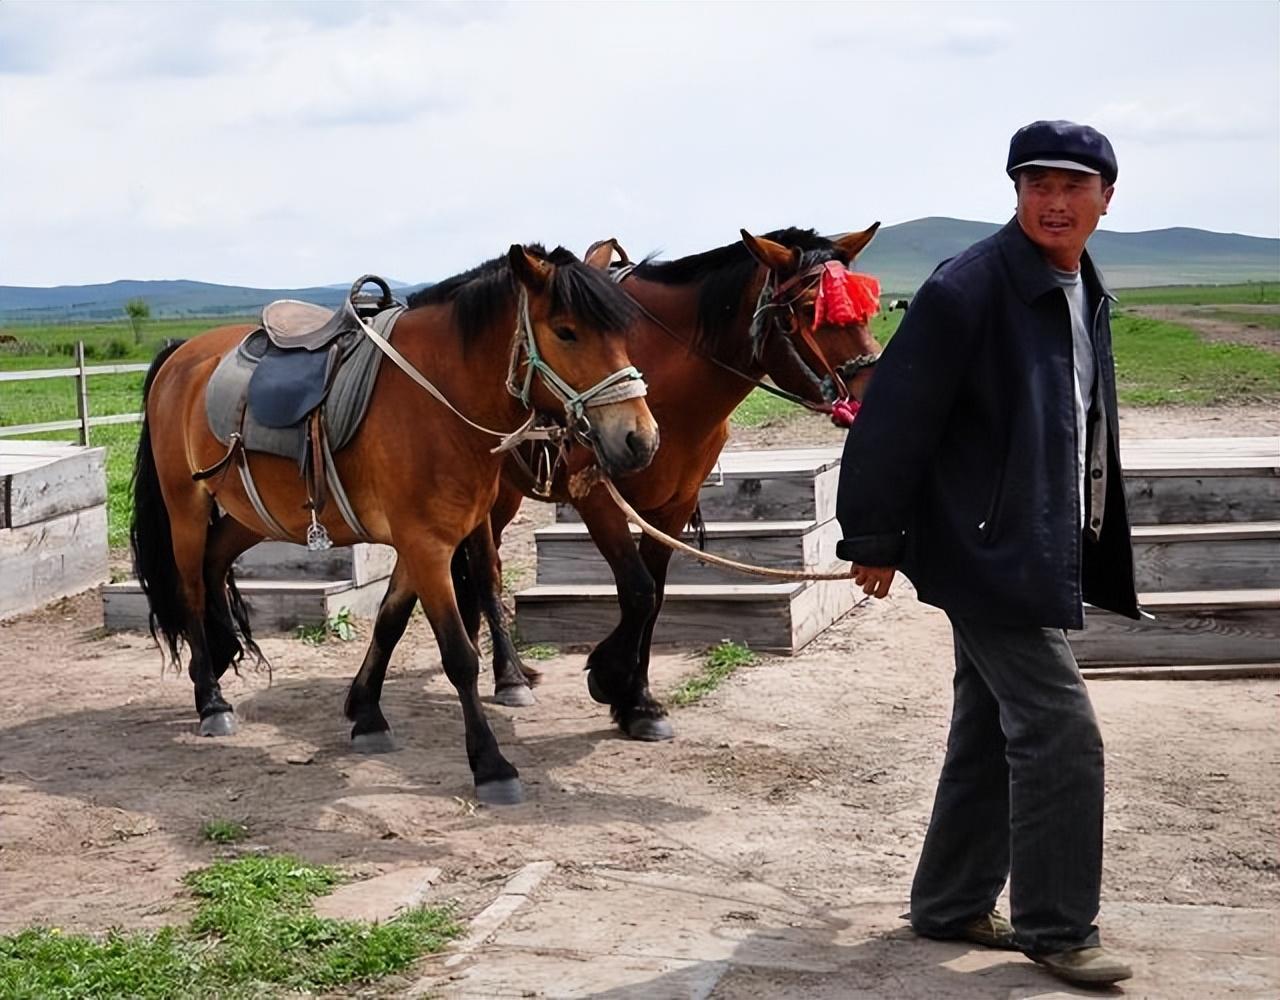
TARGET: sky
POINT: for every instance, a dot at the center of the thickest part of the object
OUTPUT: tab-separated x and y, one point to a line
282	145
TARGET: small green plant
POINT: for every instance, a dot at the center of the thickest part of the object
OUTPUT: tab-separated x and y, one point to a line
720	663
338	625
540	651
253	935
224	831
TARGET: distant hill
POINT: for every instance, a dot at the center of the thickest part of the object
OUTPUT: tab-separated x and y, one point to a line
901	257
67	303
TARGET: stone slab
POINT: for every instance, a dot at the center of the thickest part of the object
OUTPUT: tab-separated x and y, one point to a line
378	899
635	935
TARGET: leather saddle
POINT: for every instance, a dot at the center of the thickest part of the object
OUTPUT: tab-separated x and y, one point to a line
306	343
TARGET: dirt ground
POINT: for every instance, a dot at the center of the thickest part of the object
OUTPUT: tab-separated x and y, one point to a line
1222	323
809	778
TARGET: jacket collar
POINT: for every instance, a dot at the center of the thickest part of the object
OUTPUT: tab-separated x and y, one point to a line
1029	270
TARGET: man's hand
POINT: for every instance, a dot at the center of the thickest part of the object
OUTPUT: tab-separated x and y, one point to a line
875	581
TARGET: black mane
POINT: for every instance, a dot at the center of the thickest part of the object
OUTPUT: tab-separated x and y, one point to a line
479	296
726	272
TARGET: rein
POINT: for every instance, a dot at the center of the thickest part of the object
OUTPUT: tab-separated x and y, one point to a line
626	383
589	477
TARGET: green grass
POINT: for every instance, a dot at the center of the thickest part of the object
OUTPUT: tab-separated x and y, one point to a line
717	666
224	831
1159	363
539	651
1197	295
338	625
1257	319
253	935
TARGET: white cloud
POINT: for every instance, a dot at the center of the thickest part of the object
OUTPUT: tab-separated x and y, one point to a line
300	143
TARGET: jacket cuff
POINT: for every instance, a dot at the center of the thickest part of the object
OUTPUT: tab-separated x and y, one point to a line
880	550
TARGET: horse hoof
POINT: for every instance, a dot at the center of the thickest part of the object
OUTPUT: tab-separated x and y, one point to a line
219	724
507	792
595	690
380	741
516	696
651	730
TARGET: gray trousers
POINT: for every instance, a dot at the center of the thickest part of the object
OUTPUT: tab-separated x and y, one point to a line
1020	795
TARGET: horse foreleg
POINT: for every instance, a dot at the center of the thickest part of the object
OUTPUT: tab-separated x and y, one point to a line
497	781
370	732
612	664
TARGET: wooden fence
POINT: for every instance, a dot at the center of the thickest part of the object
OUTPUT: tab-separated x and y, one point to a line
81	374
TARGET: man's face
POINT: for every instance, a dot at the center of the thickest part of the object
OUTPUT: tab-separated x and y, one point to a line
1060	209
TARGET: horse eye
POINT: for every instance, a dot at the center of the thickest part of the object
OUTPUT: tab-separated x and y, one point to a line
564	333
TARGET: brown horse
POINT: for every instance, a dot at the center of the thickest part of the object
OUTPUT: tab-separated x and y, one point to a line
417	475
703	347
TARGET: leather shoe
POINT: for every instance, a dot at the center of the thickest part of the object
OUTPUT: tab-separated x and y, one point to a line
1090	966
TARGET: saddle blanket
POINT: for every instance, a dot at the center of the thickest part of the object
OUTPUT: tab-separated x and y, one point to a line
226	397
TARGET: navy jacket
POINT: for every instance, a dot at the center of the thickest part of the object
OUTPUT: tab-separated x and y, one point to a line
961	466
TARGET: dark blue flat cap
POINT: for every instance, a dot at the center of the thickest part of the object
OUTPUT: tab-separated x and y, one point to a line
1064	145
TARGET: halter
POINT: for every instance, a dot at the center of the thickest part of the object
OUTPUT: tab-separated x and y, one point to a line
625	383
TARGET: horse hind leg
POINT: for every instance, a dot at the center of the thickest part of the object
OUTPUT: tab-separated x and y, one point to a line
226	619
370	731
477	579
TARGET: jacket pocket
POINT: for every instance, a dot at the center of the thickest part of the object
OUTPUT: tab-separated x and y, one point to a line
988	525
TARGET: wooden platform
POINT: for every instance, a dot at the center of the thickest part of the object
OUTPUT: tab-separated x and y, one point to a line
53	522
274	605
1206	515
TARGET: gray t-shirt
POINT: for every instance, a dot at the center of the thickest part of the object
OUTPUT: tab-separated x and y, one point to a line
1085	366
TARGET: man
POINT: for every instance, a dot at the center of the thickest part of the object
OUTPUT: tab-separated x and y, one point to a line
985	465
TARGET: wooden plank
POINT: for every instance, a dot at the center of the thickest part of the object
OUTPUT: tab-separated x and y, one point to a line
1207	672
1207	557
52	485
1188	629
1185	456
361	563
759	616
53	558
274	605
43	373
69	425
1190	499
566	553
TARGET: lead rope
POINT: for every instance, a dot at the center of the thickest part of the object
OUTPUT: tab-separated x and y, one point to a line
584	480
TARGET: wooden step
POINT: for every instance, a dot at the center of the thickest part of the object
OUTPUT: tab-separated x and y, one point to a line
53	558
1196	480
360	563
566	553
1185	557
274	605
40	480
773	617
1189	627
793	484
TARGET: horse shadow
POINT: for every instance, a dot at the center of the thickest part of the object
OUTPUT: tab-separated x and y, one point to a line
291	775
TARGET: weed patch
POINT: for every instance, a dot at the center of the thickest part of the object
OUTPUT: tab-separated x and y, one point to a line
717	666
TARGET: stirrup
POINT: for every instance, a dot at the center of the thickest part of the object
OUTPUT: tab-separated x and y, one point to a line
317	537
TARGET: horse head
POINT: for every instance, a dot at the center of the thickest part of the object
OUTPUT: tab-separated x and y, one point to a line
573	321
811	331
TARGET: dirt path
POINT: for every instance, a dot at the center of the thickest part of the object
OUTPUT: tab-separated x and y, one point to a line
766	852
1231	324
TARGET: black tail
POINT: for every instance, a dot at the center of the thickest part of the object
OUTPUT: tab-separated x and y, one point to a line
151	535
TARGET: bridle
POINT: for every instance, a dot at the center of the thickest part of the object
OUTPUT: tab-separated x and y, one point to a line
763	324
778	300
625	383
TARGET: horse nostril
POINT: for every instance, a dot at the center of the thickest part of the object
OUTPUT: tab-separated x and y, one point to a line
635	444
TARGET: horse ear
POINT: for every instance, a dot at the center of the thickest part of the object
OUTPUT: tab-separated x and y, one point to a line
772	255
600	254
530	271
850	245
